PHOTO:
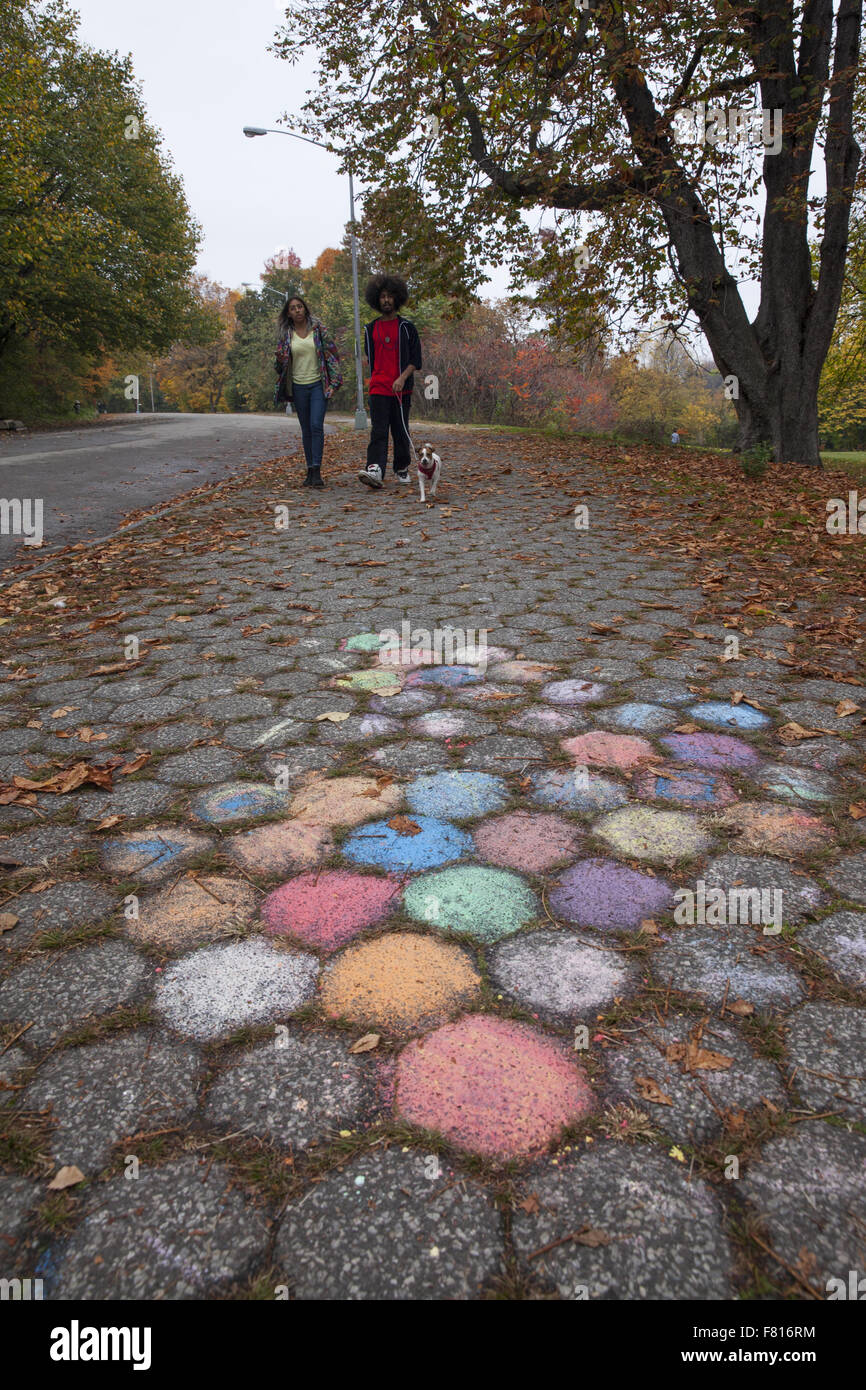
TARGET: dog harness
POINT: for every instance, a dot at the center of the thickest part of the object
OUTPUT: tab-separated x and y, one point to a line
428	469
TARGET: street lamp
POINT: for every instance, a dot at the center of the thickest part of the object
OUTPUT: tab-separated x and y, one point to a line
251	131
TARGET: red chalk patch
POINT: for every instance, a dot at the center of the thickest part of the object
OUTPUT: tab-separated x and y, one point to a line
326	910
492	1087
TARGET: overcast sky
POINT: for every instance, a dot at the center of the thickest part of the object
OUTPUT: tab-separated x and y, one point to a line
206	72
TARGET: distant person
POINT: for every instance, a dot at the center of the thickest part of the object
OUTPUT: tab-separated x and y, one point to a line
76	406
393	352
309	373
675	437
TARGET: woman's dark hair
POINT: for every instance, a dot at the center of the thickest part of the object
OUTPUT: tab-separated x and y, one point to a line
285	317
396	286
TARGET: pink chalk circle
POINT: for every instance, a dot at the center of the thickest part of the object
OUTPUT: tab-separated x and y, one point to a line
600	749
325	910
491	1087
528	842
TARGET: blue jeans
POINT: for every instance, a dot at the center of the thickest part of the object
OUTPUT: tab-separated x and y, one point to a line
309	404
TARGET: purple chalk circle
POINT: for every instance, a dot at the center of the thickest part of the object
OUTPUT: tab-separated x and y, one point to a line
714	751
601	893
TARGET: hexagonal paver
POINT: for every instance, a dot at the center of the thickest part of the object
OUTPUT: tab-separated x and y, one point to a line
763	828
638	716
840	940
294	1089
577	790
238	801
600	749
573	692
713	751
797	784
807	1188
690	787
401	980
413	844
800	895
483	903
185	1228
603	894
200	767
639	832
557	974
490	1086
279	847
448	676
527	841
391	1225
349	801
56	991
102	1093
727	716
456	795
326	909
848	877
192	911
826	1044
664	1235
716	963
691	1103
153	854
221	988
62	906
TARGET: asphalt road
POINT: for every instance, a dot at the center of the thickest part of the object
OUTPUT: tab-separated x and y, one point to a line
89	479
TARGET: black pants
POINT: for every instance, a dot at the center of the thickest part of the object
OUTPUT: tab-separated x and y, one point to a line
385	415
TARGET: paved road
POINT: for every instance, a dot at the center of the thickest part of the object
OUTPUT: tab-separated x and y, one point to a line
90	478
635	1103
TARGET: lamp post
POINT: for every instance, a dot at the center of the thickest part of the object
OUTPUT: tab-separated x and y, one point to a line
251	131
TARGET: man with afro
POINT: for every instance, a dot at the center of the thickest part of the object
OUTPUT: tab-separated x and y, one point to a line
393	352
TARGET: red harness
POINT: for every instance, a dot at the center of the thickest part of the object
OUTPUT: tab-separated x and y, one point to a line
428	469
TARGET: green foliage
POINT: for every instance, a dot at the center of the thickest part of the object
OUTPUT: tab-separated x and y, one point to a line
754	461
96	239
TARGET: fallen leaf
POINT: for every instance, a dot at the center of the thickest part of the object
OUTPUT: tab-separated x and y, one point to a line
8	920
114	666
366	1044
404	825
66	1177
793	733
740	1007
846	707
686	728
650	1090
110	822
530	1204
138	762
590	1235
857	810
677	1153
63	711
335	716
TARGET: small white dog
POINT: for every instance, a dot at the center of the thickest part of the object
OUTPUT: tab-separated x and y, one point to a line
429	467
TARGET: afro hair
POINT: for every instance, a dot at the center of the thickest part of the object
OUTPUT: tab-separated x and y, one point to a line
393	283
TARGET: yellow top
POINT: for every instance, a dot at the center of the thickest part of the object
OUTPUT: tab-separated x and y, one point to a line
305	362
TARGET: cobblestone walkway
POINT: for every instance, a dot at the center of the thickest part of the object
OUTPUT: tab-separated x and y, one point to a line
377	980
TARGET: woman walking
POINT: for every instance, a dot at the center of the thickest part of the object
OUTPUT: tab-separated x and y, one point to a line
309	370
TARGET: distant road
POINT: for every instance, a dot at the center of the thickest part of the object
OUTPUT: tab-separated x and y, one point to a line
90	478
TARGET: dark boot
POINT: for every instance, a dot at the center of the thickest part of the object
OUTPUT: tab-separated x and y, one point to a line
315	477
308	481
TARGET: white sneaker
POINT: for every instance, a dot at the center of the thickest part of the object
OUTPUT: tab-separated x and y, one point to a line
371	475
402	477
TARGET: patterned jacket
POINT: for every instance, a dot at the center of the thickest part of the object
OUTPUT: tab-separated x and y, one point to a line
328	358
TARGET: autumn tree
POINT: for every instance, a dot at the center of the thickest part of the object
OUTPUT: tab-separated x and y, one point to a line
196	371
473	114
96	238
